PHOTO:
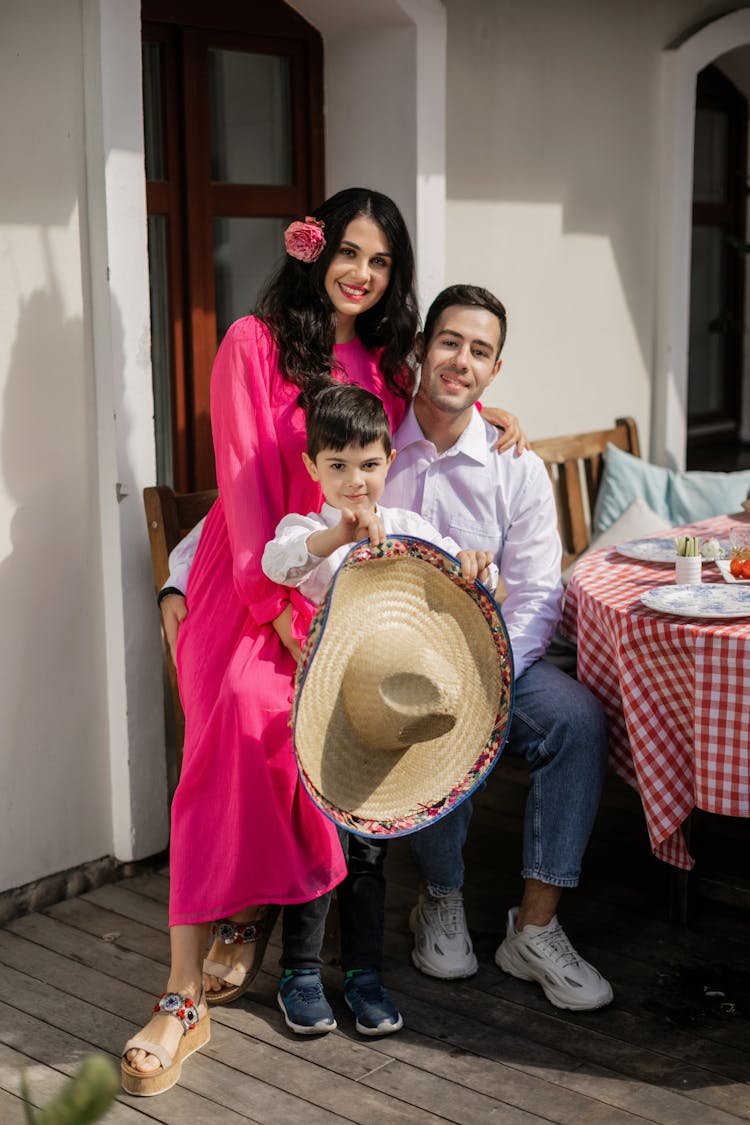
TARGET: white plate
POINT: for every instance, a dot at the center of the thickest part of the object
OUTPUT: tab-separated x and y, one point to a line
709	600
653	550
648	550
723	565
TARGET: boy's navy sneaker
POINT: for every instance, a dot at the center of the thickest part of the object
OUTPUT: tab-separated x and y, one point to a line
374	1011
303	1002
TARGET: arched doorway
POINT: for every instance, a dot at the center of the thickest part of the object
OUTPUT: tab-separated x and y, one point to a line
716	355
681	64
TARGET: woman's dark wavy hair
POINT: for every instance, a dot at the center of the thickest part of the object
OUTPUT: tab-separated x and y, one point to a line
295	297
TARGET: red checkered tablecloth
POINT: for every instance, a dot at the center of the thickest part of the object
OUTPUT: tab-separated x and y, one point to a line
676	690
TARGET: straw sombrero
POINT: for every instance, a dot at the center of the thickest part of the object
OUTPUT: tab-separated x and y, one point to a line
404	691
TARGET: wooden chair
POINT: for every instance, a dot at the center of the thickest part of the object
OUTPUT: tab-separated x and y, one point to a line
170	516
574	464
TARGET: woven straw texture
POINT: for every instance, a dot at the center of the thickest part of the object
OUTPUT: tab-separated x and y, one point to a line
404	693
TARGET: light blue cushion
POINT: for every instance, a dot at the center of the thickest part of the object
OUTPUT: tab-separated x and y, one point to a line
625	478
677	497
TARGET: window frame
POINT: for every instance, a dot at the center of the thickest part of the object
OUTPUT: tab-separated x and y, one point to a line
191	201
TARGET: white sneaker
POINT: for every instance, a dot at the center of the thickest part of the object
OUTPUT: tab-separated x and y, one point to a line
544	954
442	946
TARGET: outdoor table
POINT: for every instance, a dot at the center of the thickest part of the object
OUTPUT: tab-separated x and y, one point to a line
676	689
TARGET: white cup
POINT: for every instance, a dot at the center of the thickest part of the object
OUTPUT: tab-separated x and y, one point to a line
687	569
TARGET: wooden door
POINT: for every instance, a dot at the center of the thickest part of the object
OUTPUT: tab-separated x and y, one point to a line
717	283
233	127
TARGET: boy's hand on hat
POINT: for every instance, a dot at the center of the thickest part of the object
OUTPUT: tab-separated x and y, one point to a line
372	528
349	526
474	564
362	525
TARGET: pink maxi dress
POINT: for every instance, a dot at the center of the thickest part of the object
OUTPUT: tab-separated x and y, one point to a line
244	830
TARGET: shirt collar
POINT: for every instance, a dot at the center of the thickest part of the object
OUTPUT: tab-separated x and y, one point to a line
472	442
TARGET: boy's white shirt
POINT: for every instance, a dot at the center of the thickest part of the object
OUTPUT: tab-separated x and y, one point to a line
286	559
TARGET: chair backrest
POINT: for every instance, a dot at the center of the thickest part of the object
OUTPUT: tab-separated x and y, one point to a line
170	516
574	464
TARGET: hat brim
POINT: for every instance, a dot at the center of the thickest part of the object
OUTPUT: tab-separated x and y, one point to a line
392	793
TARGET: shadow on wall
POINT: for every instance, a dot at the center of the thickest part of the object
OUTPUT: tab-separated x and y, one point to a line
53	693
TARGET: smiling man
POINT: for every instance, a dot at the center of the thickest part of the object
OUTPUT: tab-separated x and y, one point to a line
446	469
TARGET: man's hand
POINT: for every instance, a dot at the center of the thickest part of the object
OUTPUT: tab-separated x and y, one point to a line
511	434
474	564
173	613
283	626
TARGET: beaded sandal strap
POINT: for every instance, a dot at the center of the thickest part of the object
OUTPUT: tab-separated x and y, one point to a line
180	1006
234	933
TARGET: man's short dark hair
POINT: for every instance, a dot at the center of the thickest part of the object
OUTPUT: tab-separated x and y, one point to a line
471	295
344	415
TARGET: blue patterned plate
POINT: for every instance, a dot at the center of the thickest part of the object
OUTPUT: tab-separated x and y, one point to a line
648	550
709	600
653	550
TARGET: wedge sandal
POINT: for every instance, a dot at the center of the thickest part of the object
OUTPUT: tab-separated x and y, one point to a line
196	1032
238	980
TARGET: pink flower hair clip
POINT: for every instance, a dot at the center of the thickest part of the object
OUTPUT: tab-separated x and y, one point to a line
305	241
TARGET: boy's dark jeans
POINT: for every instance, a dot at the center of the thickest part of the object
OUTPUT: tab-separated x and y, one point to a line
361	899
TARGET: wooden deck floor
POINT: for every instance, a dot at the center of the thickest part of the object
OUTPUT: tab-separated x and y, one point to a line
674	1048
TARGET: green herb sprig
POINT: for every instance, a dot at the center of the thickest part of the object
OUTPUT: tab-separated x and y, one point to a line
687	546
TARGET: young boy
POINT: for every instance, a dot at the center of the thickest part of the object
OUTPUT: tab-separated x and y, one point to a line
348	453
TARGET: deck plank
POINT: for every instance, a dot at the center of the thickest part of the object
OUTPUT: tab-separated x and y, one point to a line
81	976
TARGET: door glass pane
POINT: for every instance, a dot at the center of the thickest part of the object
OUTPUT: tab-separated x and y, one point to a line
708	326
710	158
153	112
251	120
245	253
160	350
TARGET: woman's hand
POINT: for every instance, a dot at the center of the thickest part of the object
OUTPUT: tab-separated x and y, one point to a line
283	626
512	433
173	613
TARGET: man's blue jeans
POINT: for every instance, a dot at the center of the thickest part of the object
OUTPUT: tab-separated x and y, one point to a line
560	729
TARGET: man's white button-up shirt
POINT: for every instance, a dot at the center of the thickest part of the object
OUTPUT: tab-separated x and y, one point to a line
499	503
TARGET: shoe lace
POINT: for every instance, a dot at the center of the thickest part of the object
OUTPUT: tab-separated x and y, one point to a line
370	990
555	944
305	991
448	913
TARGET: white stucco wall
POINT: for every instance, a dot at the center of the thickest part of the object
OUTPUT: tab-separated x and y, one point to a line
553	142
118	291
80	738
384	97
54	769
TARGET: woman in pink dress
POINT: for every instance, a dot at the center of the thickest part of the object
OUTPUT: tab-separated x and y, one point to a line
244	831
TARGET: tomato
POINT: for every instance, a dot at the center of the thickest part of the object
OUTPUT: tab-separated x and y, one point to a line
746	568
735	568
